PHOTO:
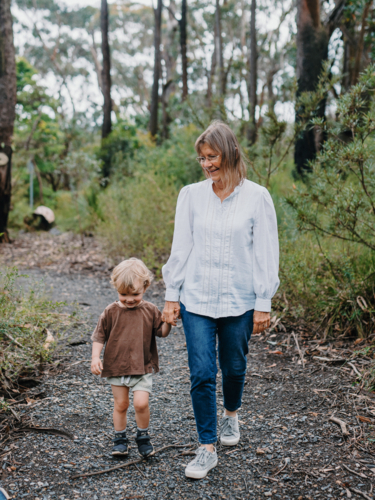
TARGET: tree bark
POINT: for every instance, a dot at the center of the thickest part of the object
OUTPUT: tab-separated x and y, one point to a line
312	51
219	49
183	44
106	71
253	76
360	45
153	125
210	78
97	64
7	112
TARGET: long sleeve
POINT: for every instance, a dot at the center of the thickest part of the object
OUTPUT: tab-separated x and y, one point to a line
266	253
174	269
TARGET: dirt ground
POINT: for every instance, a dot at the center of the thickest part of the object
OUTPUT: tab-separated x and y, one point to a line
289	447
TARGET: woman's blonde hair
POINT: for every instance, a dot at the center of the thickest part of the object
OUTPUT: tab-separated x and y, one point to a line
222	140
125	276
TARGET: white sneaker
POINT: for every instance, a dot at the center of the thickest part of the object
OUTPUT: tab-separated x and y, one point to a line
202	463
230	432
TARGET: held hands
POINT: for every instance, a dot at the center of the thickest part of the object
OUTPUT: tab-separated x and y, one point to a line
171	313
96	366
262	321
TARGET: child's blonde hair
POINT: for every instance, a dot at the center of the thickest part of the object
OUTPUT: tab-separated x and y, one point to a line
128	272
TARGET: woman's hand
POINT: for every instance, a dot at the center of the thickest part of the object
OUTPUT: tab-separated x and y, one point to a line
262	320
96	366
171	313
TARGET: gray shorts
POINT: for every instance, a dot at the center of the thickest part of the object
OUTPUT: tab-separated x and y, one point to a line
134	382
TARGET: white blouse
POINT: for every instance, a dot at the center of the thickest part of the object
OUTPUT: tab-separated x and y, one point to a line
225	255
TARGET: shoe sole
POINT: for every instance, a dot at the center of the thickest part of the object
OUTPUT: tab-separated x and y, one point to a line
149	455
229	442
199	475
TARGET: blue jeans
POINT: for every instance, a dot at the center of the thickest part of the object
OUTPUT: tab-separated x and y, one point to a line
233	334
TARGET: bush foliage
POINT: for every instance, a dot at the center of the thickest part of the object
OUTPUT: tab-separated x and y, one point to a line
24	319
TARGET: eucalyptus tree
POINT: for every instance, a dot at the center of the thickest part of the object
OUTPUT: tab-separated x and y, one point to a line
354	19
154	107
106	72
7	112
253	75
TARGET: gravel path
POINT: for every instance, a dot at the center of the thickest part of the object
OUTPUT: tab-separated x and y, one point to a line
288	447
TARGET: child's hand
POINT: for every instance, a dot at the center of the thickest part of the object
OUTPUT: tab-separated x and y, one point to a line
96	366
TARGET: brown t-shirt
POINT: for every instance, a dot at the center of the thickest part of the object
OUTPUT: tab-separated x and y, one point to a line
129	335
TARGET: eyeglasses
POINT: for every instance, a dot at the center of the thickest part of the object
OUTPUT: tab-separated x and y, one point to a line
203	159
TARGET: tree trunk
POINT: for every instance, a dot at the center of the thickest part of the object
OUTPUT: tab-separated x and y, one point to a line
360	44
312	51
7	112
97	64
219	49
153	126
183	44
106	71
210	78
253	76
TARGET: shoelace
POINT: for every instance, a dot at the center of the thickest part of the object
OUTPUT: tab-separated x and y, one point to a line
201	457
229	426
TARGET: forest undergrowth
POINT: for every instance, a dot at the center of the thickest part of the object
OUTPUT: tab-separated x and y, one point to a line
326	219
32	332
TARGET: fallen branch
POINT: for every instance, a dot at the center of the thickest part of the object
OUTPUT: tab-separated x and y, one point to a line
133	462
47	430
362	493
299	350
360	474
342	424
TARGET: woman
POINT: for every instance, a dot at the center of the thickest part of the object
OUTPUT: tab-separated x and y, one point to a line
223	268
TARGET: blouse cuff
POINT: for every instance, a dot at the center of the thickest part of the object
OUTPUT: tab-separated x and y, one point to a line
172	295
262	305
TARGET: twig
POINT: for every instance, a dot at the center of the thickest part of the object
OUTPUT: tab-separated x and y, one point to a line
282	468
299	350
47	430
139	470
359	492
133	462
360	474
355	369
342	424
14	340
15	414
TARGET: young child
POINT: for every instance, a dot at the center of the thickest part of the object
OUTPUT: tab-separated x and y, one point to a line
128	328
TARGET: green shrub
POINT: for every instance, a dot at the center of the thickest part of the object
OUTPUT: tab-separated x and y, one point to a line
138	216
24	318
336	205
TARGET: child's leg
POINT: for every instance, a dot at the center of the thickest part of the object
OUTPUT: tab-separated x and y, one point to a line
121	397
142	410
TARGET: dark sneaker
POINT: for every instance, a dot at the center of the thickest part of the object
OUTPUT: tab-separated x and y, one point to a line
145	447
202	463
120	447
